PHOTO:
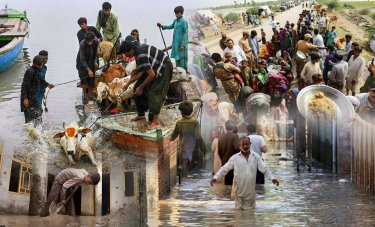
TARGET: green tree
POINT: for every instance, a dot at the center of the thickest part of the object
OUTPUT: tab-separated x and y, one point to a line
232	17
333	4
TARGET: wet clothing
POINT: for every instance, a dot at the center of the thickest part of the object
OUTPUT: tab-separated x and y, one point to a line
180	37
224	72
63	184
228	146
109	26
41	90
32	83
244	177
188	130
149	57
86	58
81	34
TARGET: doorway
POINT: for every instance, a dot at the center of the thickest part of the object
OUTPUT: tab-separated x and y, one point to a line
106	194
77	200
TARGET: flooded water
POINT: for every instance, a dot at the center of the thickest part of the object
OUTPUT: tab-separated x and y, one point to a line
306	199
315	198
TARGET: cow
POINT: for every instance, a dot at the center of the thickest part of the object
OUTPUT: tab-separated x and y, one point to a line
116	94
105	50
76	141
102	91
114	71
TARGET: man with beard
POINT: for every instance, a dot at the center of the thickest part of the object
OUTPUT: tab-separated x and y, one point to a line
244	164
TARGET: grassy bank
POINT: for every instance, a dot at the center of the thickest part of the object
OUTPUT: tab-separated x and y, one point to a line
249	5
349	5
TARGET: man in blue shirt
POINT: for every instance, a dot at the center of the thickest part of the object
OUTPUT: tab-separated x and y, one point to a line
41	90
180	38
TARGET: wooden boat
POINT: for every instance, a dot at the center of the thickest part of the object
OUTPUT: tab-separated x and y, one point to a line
14	26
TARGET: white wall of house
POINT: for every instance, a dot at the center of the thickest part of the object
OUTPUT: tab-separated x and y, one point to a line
10	202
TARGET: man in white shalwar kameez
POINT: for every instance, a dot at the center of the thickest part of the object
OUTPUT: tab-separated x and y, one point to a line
244	164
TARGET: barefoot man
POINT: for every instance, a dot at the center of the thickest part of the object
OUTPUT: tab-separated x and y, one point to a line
245	166
153	75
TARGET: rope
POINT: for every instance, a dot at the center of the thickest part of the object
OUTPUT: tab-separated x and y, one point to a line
46	96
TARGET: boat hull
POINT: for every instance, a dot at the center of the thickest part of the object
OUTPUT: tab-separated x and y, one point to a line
10	53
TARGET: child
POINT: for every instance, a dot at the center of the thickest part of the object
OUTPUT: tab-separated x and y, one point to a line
180	38
188	131
263	36
260	76
246	73
317	79
229	58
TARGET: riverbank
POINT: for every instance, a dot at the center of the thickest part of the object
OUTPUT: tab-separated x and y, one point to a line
356	18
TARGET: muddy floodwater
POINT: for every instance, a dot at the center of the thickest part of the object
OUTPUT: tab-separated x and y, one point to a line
315	198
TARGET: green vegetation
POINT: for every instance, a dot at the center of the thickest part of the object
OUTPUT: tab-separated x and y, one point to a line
333	4
364	11
232	17
349	5
373	16
273	3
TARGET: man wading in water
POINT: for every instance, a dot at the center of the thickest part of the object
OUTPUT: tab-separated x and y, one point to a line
245	166
153	75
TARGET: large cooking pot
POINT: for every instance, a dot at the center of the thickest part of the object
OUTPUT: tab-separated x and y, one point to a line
258	102
345	110
300	56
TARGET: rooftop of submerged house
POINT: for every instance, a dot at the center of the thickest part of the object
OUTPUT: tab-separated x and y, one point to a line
122	122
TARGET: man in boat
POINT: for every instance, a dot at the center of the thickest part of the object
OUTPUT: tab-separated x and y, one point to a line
107	21
180	38
64	184
32	82
87	64
43	71
82	22
153	75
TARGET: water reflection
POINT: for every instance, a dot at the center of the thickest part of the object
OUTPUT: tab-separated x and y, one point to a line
10	80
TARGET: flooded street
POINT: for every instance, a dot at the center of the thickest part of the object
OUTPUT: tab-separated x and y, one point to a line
306	199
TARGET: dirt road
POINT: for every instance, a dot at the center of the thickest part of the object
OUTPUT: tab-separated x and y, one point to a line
290	15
